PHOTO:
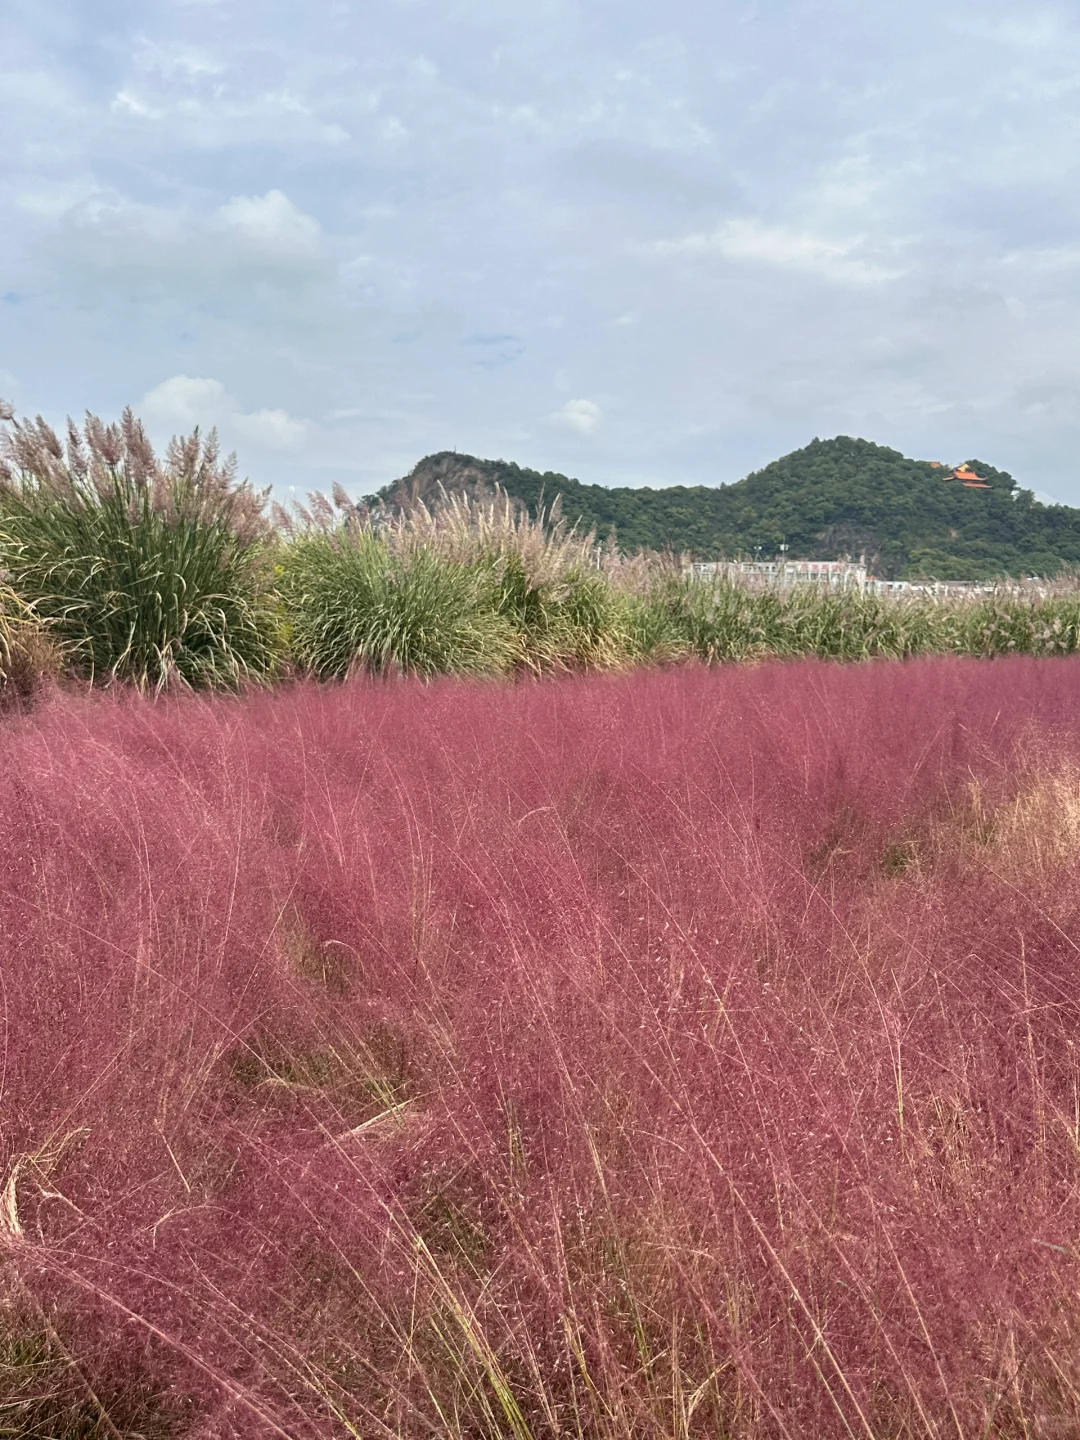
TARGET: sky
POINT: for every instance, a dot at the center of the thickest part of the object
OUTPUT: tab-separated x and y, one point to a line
632	241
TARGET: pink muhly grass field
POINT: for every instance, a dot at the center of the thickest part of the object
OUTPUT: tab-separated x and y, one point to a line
687	1054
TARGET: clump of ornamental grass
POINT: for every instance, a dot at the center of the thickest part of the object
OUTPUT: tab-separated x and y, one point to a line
470	586
574	604
353	604
152	571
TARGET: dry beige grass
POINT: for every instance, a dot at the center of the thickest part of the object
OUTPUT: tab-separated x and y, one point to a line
1040	827
29	658
1024	833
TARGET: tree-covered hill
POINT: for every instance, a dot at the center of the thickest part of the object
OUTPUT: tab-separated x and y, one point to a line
832	498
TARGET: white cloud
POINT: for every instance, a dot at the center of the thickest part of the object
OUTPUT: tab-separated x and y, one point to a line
525	198
271	429
584	416
137	248
841	262
1060	257
1036	30
185	401
125	102
273	224
175	61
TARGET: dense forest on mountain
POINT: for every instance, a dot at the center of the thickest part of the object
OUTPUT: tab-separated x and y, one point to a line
832	498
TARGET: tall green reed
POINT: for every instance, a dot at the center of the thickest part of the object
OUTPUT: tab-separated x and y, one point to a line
719	620
1003	623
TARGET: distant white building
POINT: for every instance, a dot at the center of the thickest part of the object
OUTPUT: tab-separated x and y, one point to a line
836	574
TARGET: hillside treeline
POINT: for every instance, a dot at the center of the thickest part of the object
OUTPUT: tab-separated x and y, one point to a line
833	497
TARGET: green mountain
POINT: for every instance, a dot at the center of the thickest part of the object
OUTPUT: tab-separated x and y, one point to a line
832	498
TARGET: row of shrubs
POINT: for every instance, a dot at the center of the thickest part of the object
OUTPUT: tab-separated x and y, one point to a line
119	565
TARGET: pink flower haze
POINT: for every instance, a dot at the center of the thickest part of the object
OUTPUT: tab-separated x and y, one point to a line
692	1053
